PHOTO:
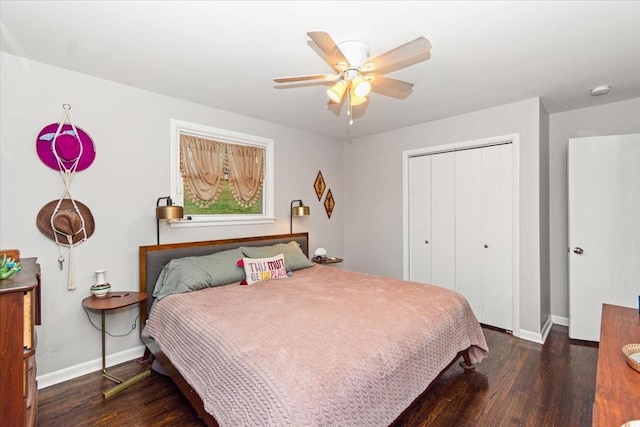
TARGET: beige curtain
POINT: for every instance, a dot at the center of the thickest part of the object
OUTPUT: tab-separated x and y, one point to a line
246	173
202	164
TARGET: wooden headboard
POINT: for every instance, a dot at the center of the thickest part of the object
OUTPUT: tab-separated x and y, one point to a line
153	258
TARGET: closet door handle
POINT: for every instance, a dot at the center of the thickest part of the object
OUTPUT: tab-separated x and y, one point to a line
578	250
486	246
426	242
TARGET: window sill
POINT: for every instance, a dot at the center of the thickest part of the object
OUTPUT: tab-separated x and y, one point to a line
194	221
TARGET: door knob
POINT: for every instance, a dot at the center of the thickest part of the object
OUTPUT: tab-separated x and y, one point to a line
486	246
578	250
426	242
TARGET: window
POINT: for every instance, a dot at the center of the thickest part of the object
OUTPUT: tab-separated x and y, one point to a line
220	177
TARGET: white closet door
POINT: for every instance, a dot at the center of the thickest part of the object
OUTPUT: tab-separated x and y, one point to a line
443	220
468	228
497	306
420	219
604	229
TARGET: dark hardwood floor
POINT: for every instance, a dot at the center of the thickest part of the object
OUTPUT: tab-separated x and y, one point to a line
520	384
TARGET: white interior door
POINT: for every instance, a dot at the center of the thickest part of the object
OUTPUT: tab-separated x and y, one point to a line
604	229
497	243
468	228
443	220
420	219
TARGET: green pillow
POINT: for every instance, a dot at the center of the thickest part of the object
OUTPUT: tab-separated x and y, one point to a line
198	272
294	258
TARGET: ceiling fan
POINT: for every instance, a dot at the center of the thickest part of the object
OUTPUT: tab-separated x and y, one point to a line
356	75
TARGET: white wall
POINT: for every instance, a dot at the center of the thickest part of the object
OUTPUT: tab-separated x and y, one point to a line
130	128
617	118
545	288
373	193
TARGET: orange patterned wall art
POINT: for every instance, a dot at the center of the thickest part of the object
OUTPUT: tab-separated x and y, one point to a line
319	185
329	203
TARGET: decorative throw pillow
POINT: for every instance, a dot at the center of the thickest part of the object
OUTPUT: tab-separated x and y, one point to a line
294	258
259	269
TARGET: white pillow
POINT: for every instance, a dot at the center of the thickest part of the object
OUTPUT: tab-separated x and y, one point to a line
260	269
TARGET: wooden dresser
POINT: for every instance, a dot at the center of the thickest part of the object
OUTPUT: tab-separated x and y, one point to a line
19	313
617	384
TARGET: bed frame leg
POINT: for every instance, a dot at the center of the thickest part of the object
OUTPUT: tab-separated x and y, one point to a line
146	358
466	363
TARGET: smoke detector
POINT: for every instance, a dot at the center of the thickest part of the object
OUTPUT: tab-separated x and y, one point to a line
600	90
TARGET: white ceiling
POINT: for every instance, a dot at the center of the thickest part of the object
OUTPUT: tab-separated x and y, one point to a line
226	54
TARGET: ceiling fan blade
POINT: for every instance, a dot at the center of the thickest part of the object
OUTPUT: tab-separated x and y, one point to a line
391	87
307	83
292	79
333	55
385	82
402	56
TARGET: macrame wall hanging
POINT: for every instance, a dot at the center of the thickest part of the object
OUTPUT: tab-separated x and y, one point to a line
67	149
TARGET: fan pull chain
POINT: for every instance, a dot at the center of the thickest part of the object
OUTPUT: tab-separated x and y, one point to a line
349	103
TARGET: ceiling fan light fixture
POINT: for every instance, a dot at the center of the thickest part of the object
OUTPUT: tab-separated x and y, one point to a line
353	69
361	87
357	100
337	91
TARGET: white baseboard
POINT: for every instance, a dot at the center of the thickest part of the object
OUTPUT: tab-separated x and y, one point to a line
557	320
546	329
76	371
538	337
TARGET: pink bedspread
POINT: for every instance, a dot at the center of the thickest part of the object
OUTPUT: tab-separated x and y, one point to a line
323	347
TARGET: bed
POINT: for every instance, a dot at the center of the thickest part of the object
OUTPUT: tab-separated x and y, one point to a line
305	344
